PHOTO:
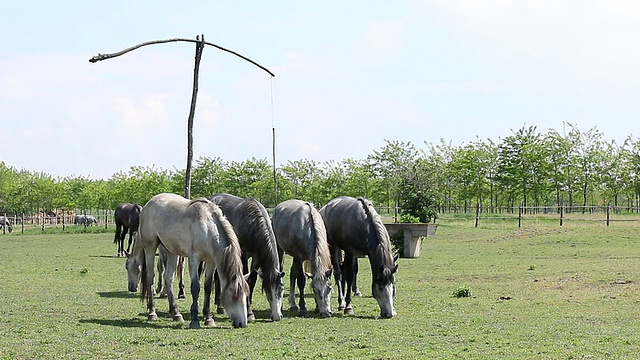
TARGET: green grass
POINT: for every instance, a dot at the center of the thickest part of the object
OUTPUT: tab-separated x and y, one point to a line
539	292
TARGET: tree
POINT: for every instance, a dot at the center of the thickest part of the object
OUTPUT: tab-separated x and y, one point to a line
522	167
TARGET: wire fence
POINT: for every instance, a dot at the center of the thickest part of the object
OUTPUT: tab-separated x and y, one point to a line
561	214
518	215
56	218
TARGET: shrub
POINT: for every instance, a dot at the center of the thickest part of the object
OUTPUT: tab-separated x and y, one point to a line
462	291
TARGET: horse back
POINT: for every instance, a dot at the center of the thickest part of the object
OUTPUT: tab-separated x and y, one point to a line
349	226
181	225
294	227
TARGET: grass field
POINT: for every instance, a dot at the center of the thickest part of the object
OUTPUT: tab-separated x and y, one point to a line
539	292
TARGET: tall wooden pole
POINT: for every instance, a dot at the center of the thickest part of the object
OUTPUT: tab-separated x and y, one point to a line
192	111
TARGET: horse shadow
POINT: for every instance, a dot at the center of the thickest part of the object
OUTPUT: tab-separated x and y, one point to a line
118	294
130	323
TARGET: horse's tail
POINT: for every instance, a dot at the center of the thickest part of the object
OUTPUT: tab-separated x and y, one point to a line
146	287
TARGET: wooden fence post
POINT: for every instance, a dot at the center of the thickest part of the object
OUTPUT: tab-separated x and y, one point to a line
608	217
477	213
561	213
520	215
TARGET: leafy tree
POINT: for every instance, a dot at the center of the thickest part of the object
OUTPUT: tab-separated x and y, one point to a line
588	151
301	180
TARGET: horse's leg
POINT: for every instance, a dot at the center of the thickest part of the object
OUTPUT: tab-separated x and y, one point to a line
301	280
292	287
181	277
206	310
355	289
116	238
149	258
195	291
216	294
252	283
337	274
162	263
348	275
159	290
169	272
130	241
122	237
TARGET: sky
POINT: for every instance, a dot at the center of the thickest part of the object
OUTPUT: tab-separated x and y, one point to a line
349	76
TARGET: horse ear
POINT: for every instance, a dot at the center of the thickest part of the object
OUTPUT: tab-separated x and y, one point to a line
395	269
395	258
328	273
308	275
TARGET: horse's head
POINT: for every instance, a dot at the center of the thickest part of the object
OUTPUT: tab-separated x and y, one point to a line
133	267
234	299
273	286
383	289
321	284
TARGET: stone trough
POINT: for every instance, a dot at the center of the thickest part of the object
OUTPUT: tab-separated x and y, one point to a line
413	234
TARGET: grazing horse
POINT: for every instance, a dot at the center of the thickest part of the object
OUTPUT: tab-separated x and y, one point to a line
252	225
198	230
301	233
126	217
354	226
86	220
4	221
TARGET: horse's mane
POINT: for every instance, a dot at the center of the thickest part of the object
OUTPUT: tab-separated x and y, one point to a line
258	226
231	264
256	218
322	259
383	249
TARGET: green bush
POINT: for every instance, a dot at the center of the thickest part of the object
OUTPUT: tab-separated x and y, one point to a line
397	242
462	291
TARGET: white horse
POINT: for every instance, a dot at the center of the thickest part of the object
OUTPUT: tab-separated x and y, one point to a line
197	230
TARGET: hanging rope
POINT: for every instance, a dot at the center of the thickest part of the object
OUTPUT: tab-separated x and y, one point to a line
273	138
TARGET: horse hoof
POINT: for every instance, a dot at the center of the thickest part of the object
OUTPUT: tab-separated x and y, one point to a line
181	296
358	293
152	317
293	308
348	310
209	322
194	325
340	307
304	313
251	317
220	310
178	318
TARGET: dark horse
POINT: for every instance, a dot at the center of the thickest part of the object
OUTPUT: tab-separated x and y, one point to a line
127	218
253	227
354	226
4	221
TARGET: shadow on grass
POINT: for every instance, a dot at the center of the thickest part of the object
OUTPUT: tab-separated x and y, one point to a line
132	323
118	295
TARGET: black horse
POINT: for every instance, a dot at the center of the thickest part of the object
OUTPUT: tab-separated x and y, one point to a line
4	221
354	226
127	218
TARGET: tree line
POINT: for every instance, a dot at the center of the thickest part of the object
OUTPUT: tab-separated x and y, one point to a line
527	168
